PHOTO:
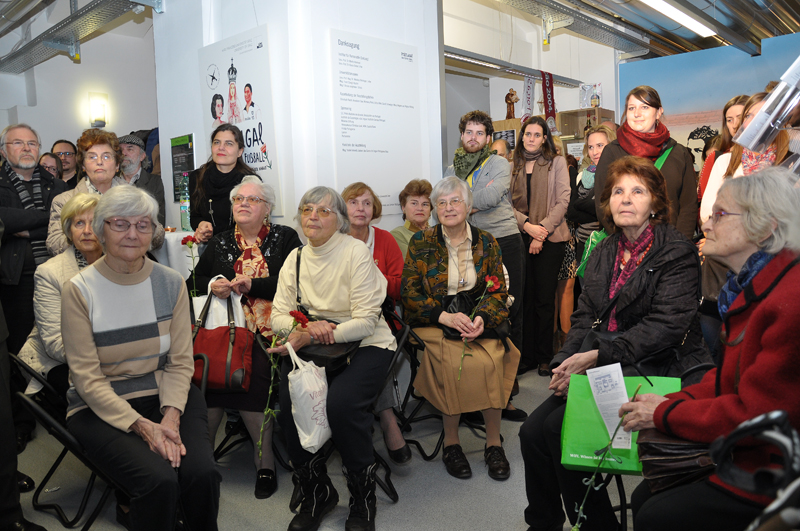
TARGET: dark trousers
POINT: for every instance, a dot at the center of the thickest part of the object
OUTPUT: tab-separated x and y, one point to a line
695	507
17	302
546	481
10	510
539	306
351	392
514	259
156	488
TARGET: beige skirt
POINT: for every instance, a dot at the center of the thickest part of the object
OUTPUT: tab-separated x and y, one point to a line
486	377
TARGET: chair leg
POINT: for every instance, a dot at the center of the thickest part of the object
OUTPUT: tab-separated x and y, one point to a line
623	504
222	449
385	482
60	514
98	508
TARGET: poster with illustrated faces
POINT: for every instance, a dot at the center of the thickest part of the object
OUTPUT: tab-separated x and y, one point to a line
236	89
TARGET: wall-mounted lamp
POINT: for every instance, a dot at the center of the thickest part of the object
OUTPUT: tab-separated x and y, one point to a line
98	108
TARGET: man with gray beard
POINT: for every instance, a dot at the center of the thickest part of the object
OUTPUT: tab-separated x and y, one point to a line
134	161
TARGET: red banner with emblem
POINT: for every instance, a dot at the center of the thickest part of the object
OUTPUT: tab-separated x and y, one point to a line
548	97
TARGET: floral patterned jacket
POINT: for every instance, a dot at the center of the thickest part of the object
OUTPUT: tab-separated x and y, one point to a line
424	284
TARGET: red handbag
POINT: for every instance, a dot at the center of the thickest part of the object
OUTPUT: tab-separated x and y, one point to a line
229	350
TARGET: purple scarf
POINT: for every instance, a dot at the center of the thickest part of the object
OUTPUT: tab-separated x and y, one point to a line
620	276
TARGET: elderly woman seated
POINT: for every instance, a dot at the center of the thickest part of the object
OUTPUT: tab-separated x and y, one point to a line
338	283
44	350
754	229
127	339
641	291
476	371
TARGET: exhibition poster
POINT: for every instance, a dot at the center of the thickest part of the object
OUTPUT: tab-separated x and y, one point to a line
236	89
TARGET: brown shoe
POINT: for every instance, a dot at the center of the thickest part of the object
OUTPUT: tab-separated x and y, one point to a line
456	462
495	458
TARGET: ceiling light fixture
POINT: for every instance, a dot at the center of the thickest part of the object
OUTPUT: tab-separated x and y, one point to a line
680	17
471	60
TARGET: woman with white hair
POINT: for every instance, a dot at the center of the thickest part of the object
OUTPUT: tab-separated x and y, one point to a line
248	258
475	372
754	229
342	291
128	342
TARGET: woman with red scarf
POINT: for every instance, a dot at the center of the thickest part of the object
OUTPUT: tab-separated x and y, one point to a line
643	135
246	260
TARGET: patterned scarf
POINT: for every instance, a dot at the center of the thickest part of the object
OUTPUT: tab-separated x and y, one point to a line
619	277
80	259
647	145
39	248
736	283
753	162
251	264
587	179
464	163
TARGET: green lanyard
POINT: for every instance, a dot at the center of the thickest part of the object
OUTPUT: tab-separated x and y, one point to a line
662	158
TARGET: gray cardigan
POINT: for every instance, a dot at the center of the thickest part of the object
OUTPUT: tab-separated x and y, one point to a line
491	198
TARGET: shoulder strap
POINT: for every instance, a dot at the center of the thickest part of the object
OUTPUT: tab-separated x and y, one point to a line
297	274
663	157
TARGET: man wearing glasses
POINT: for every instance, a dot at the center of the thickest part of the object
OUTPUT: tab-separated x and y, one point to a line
66	151
26	192
134	162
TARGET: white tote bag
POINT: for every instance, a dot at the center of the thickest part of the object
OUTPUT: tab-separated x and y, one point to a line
308	388
218	311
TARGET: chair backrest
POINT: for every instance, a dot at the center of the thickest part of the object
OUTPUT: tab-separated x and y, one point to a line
51	400
54	427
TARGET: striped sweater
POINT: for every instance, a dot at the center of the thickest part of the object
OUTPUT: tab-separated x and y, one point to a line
126	336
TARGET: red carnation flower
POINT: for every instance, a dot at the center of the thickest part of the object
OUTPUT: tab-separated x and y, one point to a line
492	283
188	241
299	317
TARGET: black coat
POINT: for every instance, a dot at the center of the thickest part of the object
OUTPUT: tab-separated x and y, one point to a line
656	308
678	171
17	219
222	252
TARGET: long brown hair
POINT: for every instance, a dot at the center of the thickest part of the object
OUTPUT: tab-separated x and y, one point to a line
548	146
781	142
199	193
726	138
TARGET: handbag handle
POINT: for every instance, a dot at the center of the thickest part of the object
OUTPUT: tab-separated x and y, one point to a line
201	319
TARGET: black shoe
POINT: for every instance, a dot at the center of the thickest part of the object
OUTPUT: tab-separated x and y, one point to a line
25	483
456	462
544	369
24	436
523	368
317	492
22	525
473	417
124	518
400	456
514	415
266	483
495	458
362	499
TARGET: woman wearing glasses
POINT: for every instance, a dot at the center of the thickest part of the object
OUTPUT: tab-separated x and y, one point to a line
338	283
457	259
210	185
128	344
51	163
248	257
100	156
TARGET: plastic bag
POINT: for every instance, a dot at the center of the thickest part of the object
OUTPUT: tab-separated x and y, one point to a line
308	388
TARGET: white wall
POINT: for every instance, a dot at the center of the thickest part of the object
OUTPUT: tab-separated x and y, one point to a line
118	65
301	84
464	94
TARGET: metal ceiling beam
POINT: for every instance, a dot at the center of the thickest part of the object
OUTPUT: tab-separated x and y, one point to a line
722	30
503	67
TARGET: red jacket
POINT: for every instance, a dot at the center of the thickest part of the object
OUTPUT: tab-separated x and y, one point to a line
389	260
759	374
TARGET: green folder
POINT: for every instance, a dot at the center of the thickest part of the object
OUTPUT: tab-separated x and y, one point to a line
584	432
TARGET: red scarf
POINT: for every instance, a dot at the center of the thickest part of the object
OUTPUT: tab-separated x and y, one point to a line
647	145
251	264
620	276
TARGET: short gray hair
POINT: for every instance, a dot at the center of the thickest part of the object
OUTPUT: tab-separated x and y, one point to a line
329	196
10	128
447	186
123	201
768	197
264	189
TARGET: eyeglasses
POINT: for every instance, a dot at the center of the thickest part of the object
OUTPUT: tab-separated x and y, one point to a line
322	212
106	157
716	215
453	203
65	154
123	225
18	144
51	169
250	199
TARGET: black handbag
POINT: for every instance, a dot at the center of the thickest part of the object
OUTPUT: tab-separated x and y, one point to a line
464	302
331	357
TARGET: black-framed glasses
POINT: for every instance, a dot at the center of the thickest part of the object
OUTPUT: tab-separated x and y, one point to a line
322	212
64	154
250	199
123	225
51	169
721	213
453	203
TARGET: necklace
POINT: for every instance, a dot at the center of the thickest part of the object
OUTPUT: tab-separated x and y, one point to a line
639	261
462	281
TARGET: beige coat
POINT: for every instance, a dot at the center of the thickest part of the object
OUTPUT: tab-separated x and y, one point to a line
558	192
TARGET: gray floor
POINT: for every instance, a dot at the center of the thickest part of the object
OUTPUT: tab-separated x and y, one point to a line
429	498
